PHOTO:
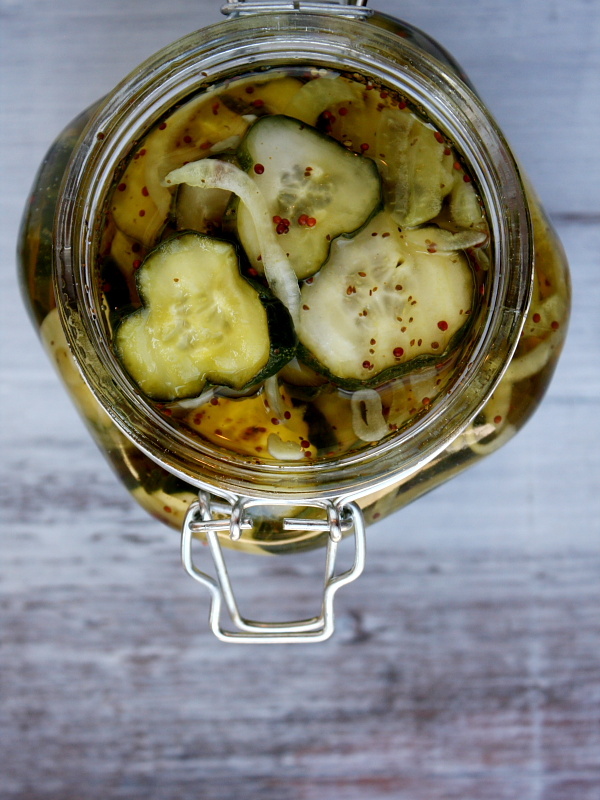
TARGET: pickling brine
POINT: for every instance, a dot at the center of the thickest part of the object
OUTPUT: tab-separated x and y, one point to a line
293	264
303	254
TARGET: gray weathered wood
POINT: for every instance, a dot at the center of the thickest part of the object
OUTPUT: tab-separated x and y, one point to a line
466	665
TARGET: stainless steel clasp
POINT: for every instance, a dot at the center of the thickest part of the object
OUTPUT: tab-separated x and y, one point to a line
346	8
200	520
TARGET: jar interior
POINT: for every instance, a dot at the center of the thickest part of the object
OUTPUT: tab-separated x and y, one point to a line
298	430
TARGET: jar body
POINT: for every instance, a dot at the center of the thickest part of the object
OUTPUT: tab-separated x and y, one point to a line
166	494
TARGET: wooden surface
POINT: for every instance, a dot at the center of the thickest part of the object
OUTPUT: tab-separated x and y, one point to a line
466	665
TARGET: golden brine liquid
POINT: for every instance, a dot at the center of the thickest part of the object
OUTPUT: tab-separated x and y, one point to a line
302	413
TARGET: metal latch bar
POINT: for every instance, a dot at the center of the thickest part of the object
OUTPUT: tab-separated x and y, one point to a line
340	520
348	8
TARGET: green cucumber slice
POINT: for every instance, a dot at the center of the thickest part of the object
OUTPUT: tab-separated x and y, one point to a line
417	168
200	322
465	208
430	238
385	303
314	190
320	94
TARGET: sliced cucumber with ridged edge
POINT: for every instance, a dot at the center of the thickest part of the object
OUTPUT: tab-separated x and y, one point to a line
201	322
416	165
315	190
385	303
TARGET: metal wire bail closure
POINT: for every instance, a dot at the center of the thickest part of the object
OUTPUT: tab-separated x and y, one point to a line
346	8
340	519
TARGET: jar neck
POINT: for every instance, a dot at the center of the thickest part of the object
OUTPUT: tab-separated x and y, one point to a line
262	41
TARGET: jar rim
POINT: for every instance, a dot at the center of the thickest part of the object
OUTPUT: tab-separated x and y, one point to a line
282	39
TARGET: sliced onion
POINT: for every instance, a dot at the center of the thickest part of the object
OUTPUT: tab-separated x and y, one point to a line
194	402
226	144
283	451
274	397
213	391
210	173
443	240
368	421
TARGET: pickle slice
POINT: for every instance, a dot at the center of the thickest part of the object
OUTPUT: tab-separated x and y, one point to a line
201	322
416	166
386	302
319	95
314	189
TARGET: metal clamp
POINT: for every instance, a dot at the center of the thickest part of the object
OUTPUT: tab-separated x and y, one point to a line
199	520
346	8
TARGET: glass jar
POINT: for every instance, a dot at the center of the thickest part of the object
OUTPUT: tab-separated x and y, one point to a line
262	500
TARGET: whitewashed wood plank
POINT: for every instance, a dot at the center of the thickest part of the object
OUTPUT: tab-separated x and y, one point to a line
465	665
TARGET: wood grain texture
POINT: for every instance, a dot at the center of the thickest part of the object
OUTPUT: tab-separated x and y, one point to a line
466	663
